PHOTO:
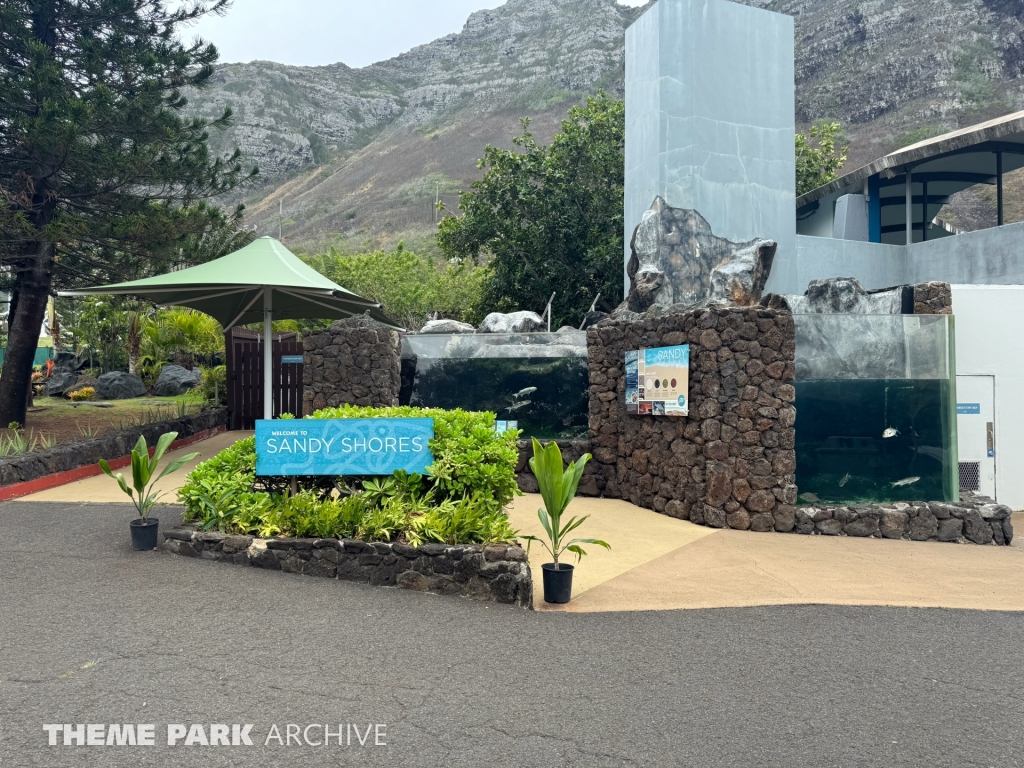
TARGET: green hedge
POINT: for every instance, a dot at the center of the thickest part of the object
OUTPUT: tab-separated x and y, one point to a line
461	499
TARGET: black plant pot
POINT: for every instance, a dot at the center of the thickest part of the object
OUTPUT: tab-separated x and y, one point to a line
557	582
144	533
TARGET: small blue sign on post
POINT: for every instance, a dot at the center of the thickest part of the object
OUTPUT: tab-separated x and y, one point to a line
336	447
967	409
291	359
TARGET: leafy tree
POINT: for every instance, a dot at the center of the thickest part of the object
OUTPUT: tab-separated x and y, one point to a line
100	174
818	160
180	333
410	288
549	219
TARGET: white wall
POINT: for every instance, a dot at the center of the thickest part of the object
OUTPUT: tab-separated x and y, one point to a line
990	341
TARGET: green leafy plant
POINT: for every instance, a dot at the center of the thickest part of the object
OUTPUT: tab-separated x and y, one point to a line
14	425
214	385
563	200
466	521
558	488
383	523
460	499
18	443
88	430
378	490
470	457
409	287
818	158
142	493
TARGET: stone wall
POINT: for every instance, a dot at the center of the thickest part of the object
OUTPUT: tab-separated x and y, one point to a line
31	466
731	462
933	299
355	361
571	451
497	573
975	519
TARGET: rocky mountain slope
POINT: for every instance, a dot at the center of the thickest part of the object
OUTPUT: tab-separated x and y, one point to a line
350	154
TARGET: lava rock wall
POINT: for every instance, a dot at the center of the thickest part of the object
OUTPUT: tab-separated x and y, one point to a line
353	362
731	462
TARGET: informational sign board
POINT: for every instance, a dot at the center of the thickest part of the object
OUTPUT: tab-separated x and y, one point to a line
968	409
293	447
291	359
658	381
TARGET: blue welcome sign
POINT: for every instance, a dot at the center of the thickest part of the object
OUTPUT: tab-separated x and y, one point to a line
292	447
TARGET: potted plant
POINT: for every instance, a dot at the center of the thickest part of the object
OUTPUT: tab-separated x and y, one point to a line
144	529
558	488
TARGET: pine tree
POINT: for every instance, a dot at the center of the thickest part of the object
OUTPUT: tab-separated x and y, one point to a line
100	171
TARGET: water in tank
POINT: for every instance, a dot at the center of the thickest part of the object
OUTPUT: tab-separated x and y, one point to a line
538	380
876	408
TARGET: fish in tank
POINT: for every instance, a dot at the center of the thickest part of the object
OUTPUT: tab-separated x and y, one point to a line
874	440
539	380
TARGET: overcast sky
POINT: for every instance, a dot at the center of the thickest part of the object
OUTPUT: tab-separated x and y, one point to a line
356	32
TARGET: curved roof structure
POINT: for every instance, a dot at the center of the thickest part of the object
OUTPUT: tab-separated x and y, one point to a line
938	168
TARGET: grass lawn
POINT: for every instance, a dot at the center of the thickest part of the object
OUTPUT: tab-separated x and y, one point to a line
58	420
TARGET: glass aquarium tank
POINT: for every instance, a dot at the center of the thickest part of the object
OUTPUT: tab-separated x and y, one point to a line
876	408
538	380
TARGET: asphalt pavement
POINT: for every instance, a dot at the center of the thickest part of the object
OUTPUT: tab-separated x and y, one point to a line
94	633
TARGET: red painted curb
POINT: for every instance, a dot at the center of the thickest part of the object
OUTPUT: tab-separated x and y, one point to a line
17	490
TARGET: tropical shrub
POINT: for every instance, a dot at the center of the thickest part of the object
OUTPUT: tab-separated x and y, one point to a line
85	393
411	288
214	385
470	457
461	499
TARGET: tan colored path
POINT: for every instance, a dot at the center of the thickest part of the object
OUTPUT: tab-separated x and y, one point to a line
659	563
102	489
636	535
725	568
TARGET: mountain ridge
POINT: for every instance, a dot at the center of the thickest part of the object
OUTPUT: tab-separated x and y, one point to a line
356	156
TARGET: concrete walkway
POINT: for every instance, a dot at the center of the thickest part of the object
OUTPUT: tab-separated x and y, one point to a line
102	489
658	563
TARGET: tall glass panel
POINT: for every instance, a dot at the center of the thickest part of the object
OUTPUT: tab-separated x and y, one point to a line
876	408
539	380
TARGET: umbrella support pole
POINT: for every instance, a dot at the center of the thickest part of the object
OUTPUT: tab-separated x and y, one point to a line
268	384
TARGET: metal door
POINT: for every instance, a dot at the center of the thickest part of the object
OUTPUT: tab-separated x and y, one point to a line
976	437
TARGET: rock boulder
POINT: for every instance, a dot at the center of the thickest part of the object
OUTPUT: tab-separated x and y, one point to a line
118	385
514	322
447	326
175	380
677	260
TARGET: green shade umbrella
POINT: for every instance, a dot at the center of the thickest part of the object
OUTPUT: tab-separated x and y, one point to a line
263	281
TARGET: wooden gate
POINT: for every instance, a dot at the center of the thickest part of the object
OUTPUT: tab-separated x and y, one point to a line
244	359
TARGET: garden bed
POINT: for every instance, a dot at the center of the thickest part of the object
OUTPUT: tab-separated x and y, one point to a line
445	531
85	452
497	573
57	420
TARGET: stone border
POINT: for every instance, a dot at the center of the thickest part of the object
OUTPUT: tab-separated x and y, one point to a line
975	519
497	573
82	453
